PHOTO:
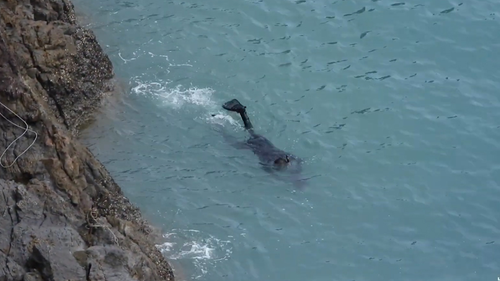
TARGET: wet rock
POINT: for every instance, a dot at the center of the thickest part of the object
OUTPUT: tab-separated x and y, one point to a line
62	216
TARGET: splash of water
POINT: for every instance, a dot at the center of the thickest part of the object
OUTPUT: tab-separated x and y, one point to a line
189	245
179	96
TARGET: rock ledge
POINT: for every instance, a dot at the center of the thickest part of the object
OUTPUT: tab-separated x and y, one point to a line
62	217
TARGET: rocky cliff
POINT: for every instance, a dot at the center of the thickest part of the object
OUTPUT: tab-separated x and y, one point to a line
62	217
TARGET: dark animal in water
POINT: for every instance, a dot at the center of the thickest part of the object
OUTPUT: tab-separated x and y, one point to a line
271	158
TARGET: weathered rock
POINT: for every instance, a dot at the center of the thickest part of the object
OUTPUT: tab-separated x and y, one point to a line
32	276
62	216
62	57
12	271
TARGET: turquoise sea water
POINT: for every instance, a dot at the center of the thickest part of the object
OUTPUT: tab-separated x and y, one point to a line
395	108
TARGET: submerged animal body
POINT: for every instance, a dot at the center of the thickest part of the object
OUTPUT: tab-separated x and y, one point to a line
271	158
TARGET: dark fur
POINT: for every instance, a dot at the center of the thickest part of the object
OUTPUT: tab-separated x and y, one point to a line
271	158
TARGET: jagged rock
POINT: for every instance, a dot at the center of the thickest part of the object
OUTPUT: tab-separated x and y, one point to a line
32	276
12	271
28	206
108	261
62	216
65	59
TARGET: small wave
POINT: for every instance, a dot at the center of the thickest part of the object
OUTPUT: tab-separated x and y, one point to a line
178	97
204	253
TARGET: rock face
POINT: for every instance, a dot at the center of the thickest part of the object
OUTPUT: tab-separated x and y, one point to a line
62	217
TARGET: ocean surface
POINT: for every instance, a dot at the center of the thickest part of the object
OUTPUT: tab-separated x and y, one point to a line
394	107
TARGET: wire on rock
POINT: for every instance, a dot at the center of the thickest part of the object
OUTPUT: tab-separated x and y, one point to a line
26	129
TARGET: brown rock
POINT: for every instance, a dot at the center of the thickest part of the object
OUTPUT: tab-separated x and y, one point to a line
62	216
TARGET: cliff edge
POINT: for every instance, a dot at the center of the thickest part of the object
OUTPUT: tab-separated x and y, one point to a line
62	217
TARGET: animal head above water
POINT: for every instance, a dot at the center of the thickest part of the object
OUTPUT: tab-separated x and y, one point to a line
289	168
282	161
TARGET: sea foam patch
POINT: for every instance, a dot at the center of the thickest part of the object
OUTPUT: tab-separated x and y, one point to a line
179	96
190	245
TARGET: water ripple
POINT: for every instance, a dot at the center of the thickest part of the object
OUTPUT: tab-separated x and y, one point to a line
393	105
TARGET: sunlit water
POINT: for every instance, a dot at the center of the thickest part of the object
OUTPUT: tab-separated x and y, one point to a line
395	108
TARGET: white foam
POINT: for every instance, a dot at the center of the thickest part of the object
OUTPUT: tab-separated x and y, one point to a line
178	97
203	252
222	118
127	60
138	53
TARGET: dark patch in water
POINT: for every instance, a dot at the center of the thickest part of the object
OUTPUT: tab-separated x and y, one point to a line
300	98
363	111
255	41
363	34
447	11
360	11
333	62
337	127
